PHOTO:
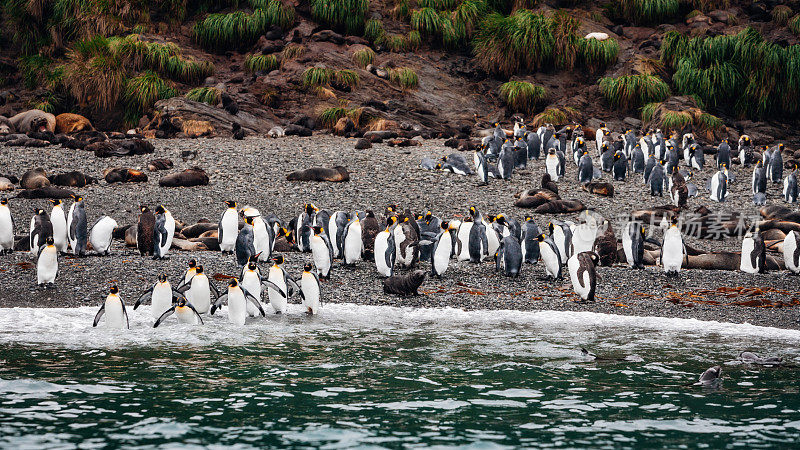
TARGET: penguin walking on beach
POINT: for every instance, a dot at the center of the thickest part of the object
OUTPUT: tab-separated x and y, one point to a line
41	228
723	157
385	250
633	244
481	168
47	263
263	235
198	290
696	157
552	164
281	286
620	167
505	163
775	168
428	225
310	291
442	249
252	281
791	251
161	295
77	232
145	230
718	185
336	226
59	221
534	144
790	189
530	242
163	232
754	253
321	252
578	148
183	310
191	270
406	241
508	258
606	158
302	227
6	228
238	299
244	247
101	235
227	231
561	234
113	308
759	178
745	150
353	245
477	241
550	256
583	274
656	180
637	159
585	169
673	250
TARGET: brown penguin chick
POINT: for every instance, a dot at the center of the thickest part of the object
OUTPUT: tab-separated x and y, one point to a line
144	231
606	247
404	285
679	190
369	230
547	183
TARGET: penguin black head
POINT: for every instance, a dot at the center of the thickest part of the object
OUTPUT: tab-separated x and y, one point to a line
230	203
674	169
77	197
248	220
199	270
428	216
551	227
445	225
439	166
40	212
49	240
390	209
528	218
233	282
420	216
4	201
162	278
252	265
144	209
192	263
540	237
391	220
780	146
617	156
500	218
55	201
551	151
278	260
370	213
310	208
307	268
674	221
161	209
317	230
114	290
182	302
254	258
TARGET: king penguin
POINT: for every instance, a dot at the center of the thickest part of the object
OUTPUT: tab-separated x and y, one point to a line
620	169
585	169
723	156
279	283
718	185
633	244
442	250
227	230
791	252
790	186
310	291
145	230
353	244
481	168
244	243
41	229
552	164
102	234
114	310
163	232
550	257
508	257
183	310
673	250
59	221
637	159
561	234
336	225
6	228
775	169
161	296
77	231
385	248
321	252
238	299
754	253
583	274
47	263
530	243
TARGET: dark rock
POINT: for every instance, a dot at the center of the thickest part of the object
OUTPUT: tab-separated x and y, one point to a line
274	33
363	144
328	36
305	121
380	106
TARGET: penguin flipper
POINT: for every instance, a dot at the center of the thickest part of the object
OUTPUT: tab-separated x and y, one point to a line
184	287
142	298
99	314
176	294
73	226
163	317
293	287
213	287
274	287
218	303
125	313
195	312
254	301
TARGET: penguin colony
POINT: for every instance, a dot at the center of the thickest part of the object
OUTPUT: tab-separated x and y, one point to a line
405	239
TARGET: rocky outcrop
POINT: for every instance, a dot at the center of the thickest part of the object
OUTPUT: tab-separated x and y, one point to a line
173	115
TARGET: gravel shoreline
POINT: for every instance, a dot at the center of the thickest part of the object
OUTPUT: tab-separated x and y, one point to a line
253	172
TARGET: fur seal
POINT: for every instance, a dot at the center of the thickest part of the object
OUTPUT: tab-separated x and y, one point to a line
196	230
336	174
124	175
599	188
560	207
34	179
404	285
46	192
780	213
72	179
159	164
33	120
6	127
533	198
6	184
68	123
188	178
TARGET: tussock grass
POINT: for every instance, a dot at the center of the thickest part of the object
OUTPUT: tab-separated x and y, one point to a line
347	78
780	14
633	90
659	115
644	12
396	43
401	10
427	21
404	77
209	95
142	91
261	63
236	30
414	40
292	52
794	24
507	44
328	117
522	96
342	15
39	71
363	57
567	45
317	76
599	55
373	30
95	75
556	116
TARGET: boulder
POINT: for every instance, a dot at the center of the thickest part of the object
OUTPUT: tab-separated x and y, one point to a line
328	36
171	115
363	144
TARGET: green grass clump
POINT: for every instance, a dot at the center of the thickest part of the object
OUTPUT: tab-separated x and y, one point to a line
364	57
648	111
414	40
676	120
633	90
599	55
568	46
39	71
427	21
261	63
780	14
342	15
522	96
507	44
142	91
396	43
658	115
166	59
317	76
209	95
237	30
373	30
645	12
553	116
329	116
347	78
404	77
401	10
95	74
794	24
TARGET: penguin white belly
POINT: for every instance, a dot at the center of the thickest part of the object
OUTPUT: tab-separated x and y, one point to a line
747	249
573	265
399	238
187	277
785	190
59	229
441	258
6	229
551	166
279	303
115	317
170	227
492	240
230	231
34	240
261	241
627	244
320	255
672	251
251	284
186	315
47	266
161	299
561	242
583	238
789	248
381	246
463	238
310	293
101	234
237	307
550	258
332	232
72	242
199	295
353	244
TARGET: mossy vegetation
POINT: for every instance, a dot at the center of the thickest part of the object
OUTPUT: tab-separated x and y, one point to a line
781	14
317	76
143	90
794	24
599	55
633	91
647	12
522	96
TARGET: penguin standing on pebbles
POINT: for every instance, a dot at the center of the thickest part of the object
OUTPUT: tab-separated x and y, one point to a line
633	244
552	164
145	230
745	150
656	180
228	229
442	250
754	253
775	169
302	227
244	243
321	252
336	225
481	168
163	232
385	250
585	169
505	163
6	228
509	257
530	243
673	250
114	310
102	235
41	229
718	185
723	154
620	168
353	244
77	231
47	263
637	159
791	252
561	234
696	157
583	274
59	221
550	257
790	186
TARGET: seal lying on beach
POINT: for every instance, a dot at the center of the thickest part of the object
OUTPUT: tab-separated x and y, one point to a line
46	192
533	198
124	175
72	179
404	285
34	179
33	120
159	164
336	174
599	188
560	207
189	177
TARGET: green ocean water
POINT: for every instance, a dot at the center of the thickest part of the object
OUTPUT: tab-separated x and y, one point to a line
390	378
